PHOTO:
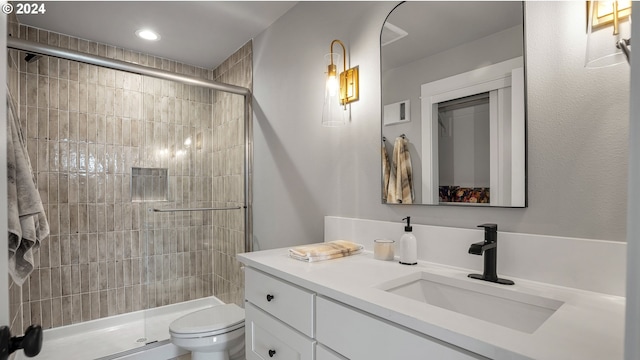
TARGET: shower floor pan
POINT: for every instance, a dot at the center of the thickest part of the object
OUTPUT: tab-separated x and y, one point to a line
115	336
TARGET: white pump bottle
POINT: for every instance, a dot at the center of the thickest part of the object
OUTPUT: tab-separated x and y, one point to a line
408	245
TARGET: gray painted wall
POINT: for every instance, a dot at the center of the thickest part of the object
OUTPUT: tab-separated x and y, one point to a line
577	131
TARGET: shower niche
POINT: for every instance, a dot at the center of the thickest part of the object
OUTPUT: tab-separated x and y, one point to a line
149	184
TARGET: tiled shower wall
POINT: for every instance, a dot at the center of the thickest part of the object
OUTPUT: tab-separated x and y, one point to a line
86	128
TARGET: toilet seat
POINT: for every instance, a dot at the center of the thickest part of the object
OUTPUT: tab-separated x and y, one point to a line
212	321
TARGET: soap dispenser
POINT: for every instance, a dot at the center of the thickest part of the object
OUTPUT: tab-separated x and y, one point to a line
408	245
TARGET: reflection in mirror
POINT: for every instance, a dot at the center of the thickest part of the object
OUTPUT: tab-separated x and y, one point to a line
463	144
453	95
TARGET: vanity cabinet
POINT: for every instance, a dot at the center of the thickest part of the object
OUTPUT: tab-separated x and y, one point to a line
322	353
285	321
358	335
291	304
268	338
278	318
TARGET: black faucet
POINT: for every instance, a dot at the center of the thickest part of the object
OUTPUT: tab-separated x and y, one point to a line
490	249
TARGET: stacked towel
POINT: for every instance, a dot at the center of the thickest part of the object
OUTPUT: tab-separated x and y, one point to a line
401	180
325	251
27	223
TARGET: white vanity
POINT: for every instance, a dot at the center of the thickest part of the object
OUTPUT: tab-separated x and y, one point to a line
297	323
361	308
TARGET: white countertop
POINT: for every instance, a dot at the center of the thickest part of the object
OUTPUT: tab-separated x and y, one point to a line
588	325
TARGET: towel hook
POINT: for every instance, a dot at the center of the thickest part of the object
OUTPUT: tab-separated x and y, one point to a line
403	136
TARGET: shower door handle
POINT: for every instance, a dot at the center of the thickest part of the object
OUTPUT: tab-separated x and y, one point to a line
5	341
31	342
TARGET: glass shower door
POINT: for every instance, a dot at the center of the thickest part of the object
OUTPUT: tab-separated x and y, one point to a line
193	151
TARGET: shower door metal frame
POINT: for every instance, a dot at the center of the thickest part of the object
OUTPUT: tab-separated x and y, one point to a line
43	49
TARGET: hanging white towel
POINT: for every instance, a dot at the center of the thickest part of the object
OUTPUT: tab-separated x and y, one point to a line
401	182
27	223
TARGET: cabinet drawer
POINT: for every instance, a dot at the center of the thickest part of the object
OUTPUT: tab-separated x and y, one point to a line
358	335
269	339
322	353
287	302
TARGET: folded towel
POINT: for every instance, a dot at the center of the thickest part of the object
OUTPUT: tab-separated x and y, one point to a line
325	251
27	223
401	181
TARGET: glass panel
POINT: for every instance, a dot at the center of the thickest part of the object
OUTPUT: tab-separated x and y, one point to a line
190	255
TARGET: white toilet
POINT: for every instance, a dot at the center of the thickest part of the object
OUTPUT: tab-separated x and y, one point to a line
215	333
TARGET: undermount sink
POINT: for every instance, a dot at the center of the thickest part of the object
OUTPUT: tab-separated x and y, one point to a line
493	303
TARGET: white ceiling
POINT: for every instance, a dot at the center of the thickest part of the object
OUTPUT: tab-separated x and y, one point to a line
200	33
436	26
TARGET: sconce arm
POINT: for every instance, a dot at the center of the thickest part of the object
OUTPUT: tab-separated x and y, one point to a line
624	45
344	53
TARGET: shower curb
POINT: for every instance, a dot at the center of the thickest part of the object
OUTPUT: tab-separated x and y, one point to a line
153	351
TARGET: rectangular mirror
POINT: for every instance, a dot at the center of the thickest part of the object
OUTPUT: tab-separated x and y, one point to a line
453	96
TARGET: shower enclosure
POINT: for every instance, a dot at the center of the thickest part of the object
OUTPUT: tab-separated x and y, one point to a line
146	178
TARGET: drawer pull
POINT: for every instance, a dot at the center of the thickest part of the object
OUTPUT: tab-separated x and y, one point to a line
271	353
269	298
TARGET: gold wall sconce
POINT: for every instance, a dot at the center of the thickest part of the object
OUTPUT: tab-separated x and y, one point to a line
340	90
609	13
602	50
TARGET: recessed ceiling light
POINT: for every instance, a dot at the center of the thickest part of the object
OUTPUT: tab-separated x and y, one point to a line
147	35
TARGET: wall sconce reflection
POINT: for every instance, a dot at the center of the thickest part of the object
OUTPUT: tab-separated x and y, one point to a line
198	141
163	152
180	150
607	19
175	153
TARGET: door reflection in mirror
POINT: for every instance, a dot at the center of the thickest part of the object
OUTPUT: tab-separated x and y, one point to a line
463	149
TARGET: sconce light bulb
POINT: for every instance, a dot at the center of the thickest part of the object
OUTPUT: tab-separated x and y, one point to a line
332	85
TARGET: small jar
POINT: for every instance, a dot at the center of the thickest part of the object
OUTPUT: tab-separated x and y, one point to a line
383	249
